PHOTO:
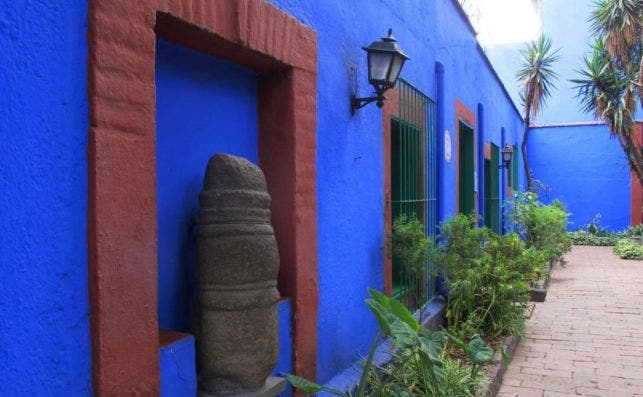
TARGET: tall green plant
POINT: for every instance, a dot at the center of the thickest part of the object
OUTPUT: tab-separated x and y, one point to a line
612	78
543	227
411	250
487	278
535	77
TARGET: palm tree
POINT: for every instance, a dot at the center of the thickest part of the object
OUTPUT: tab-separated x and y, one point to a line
610	94
612	79
618	24
536	82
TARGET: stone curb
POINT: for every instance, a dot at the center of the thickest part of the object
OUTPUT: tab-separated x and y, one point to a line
499	365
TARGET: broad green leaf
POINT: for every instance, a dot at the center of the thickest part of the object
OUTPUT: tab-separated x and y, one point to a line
402	333
379	297
380	314
401	312
431	343
478	352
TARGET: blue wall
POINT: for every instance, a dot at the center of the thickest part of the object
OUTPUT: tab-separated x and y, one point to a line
586	169
349	149
44	321
44	334
284	364
203	107
178	368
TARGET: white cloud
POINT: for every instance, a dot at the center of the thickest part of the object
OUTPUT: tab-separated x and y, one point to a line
506	21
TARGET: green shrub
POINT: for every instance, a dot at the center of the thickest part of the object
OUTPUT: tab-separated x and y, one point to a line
581	237
404	376
464	241
634	231
544	227
628	249
595	234
488	277
410	246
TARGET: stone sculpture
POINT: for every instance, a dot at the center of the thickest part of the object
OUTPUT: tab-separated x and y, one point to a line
237	266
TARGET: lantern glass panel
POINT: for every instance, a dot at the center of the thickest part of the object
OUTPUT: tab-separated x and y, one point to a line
396	68
379	64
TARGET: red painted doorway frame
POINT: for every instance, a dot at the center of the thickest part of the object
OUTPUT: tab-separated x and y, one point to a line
122	229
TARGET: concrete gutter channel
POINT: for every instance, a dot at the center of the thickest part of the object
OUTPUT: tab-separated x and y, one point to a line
498	367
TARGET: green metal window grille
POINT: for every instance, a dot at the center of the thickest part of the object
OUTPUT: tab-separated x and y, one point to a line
514	169
414	183
491	191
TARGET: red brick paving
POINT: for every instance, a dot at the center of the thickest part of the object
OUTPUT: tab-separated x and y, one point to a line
586	339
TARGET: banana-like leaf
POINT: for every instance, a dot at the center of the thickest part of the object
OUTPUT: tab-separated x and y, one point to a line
395	307
311	387
380	315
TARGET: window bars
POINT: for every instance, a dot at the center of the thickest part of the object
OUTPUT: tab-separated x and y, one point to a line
414	184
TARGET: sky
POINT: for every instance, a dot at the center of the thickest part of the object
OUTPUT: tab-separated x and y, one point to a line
503	21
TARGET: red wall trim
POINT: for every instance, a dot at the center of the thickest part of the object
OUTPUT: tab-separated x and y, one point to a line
465	114
636	192
122	230
391	109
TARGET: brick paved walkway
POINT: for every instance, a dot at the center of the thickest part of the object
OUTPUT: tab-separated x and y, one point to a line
587	338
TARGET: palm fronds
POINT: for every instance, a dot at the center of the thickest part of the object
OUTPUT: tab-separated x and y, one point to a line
536	78
618	23
536	74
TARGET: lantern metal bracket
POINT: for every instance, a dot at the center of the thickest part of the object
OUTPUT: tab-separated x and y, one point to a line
358	103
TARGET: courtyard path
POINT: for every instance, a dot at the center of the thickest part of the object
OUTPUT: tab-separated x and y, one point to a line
587	338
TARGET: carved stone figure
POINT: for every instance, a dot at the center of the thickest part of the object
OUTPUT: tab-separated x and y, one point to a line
237	266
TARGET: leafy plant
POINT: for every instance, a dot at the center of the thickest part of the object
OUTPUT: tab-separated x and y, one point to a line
536	77
582	237
634	232
410	246
418	368
487	278
595	234
478	352
543	227
628	249
411	250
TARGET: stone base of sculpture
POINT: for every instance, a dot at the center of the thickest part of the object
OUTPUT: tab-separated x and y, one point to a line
271	388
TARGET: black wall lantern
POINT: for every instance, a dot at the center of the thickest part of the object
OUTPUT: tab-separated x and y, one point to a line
507	153
385	62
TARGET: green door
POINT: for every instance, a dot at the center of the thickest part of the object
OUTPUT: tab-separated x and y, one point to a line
491	191
514	168
467	181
